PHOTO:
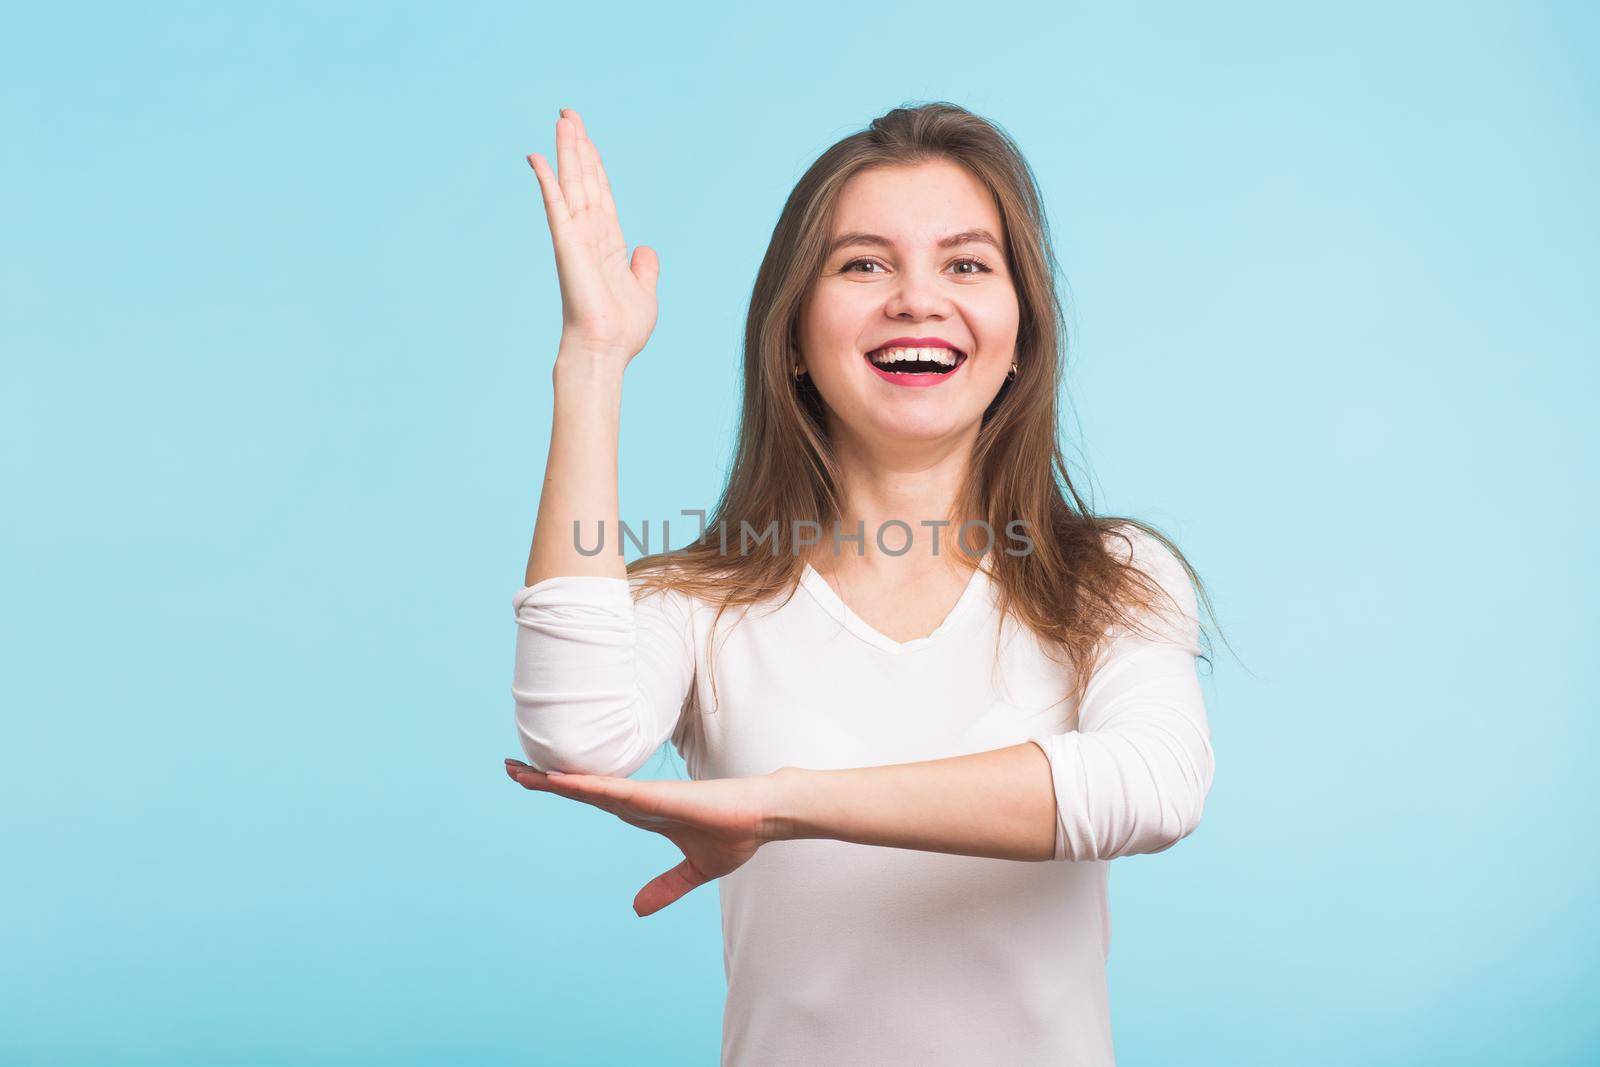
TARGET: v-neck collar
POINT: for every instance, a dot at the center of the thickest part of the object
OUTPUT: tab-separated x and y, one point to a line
819	588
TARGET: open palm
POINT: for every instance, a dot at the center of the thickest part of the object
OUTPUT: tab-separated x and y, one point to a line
718	823
608	299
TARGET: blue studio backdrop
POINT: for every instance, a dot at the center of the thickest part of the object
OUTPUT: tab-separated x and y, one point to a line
277	317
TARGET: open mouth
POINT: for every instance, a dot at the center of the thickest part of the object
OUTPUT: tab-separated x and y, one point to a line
915	366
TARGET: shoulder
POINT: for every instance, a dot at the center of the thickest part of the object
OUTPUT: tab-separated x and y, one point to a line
667	586
660	584
1175	615
1136	545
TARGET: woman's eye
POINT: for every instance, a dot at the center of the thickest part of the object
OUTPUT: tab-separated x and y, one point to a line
979	267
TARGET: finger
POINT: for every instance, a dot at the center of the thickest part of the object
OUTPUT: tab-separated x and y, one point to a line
608	205
559	784
608	794
666	888
519	771
602	180
586	153
633	802
555	202
579	279
646	267
610	239
529	778
568	165
598	189
602	787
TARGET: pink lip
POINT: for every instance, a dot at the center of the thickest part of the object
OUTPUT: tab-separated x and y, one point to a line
915	381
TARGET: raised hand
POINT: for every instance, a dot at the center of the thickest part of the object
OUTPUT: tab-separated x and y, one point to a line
608	300
717	823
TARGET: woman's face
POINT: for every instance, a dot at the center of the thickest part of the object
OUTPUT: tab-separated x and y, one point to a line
919	257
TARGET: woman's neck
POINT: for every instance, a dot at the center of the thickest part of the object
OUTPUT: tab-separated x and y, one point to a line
902	503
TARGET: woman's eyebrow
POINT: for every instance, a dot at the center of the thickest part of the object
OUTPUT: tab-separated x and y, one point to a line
965	237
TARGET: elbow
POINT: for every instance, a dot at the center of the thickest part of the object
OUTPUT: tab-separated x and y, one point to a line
1169	817
1173	808
575	753
558	737
1116	799
1180	817
578	709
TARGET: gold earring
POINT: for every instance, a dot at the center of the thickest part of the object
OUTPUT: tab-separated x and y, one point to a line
1013	373
799	371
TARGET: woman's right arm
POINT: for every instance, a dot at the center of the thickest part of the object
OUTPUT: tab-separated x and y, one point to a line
599	681
608	310
579	495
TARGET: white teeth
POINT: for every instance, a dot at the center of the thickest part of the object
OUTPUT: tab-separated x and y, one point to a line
946	356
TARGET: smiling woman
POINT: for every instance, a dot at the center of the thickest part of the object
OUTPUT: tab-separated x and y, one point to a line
879	740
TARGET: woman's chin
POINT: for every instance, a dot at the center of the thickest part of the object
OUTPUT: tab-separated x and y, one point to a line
916	425
906	415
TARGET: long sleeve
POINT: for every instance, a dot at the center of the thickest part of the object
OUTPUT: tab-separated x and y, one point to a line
1134	776
600	680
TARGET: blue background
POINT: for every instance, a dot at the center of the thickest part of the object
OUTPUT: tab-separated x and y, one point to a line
279	310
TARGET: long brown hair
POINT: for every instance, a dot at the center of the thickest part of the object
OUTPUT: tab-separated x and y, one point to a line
1071	588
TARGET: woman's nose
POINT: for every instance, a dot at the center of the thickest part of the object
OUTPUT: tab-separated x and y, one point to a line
917	293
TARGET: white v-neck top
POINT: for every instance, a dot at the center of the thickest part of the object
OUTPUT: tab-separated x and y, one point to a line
841	953
818	587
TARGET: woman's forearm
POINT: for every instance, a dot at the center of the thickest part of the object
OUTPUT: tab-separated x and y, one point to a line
998	804
580	480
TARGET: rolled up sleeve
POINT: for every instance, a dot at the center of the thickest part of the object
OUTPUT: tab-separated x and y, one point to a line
1133	778
600	681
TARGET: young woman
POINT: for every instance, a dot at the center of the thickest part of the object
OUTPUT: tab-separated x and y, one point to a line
915	741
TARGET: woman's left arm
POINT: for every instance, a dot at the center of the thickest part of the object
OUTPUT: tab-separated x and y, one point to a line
1132	779
999	803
